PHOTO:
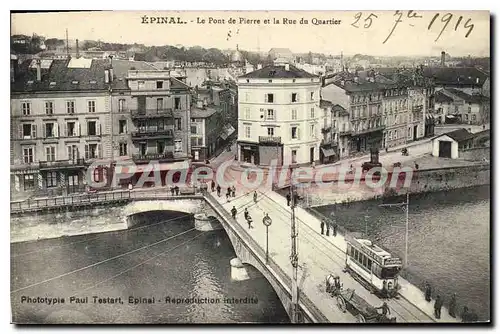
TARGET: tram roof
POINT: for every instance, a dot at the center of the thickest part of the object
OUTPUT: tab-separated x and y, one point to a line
374	248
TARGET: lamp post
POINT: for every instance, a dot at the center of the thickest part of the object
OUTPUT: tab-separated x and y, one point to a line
294	257
267	221
406	207
366	226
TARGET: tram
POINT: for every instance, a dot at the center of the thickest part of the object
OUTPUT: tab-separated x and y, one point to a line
373	266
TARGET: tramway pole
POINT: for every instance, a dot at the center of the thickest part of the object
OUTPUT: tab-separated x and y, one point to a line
294	255
406	207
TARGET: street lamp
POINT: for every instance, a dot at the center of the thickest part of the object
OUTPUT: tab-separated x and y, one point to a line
406	207
267	221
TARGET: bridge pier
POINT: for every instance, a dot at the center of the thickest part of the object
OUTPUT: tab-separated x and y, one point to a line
238	270
202	222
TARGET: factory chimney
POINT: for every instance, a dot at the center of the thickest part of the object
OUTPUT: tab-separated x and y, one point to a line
38	70
443	56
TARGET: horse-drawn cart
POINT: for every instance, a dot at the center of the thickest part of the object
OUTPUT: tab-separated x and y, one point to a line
348	300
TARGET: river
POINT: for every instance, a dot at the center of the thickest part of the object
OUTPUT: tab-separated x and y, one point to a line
449	240
172	260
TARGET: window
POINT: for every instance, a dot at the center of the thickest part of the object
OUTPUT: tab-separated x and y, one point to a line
247	113
247	97
159	85
269	98
194	130
395	134
122	126
91	106
177	103
28	155
312	112
71	129
49	107
295	97
312	96
123	149
270	114
143	148
294	114
390	135
28	131
295	132
247	131
294	156
50	153
121	105
469	108
178	124
51	179
159	104
312	128
92	151
141	84
473	117
178	145
270	132
29	181
91	128
73	153
26	107
466	117
456	109
70	107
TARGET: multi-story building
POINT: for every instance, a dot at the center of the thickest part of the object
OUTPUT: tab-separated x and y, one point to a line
335	130
396	116
279	116
60	123
205	134
456	106
361	96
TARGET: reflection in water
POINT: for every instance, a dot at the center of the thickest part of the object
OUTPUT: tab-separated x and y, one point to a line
448	240
180	268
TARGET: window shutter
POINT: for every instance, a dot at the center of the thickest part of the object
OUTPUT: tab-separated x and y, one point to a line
68	148
78	129
33	130
76	152
98	128
47	154
298	133
20	127
86	151
56	129
99	150
44	130
298	97
265	98
65	129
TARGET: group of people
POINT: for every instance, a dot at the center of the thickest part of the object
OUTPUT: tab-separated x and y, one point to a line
467	316
174	190
231	191
334	228
249	220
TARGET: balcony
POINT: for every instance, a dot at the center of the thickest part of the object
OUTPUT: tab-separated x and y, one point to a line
344	132
151	113
146	158
75	163
360	132
269	140
152	134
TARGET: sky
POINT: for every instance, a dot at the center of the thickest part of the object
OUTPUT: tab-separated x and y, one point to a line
410	37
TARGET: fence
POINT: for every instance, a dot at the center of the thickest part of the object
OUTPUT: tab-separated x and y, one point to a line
259	254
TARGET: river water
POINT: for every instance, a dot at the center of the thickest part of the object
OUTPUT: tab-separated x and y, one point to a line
449	240
193	265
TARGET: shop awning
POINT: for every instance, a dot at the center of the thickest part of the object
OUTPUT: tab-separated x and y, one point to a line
227	131
328	152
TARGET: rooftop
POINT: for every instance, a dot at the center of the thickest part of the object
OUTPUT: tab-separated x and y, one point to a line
474	98
457	135
440	97
278	72
202	113
456	75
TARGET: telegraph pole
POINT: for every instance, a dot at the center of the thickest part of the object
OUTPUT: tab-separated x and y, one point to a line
406	207
294	255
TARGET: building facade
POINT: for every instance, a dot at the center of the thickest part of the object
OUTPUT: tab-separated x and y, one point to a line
396	116
60	123
279	116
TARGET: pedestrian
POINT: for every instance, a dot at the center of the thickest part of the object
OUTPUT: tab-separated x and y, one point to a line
327	229
416	166
218	190
177	190
255	196
428	291
385	309
172	190
465	314
228	193
288	199
334	230
453	305
233	212
212	184
130	186
246	213
437	307
323	227
234	191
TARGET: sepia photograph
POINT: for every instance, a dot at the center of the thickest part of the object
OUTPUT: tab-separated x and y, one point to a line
250	167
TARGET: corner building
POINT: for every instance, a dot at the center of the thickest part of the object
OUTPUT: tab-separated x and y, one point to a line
279	116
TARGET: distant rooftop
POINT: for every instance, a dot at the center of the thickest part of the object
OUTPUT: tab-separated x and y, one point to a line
278	72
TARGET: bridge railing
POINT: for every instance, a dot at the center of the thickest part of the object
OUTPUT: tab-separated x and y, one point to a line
307	303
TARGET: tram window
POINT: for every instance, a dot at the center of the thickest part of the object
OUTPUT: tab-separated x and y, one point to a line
369	264
377	270
349	248
390	272
355	255
365	261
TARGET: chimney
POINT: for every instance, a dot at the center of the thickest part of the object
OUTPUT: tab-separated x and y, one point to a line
287	67
106	76
38	70
259	66
111	74
443	56
77	50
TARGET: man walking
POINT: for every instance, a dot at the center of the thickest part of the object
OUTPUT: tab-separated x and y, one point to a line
327	229
437	307
218	190
212	185
453	305
233	189
288	199
334	230
323	226
428	291
255	196
233	212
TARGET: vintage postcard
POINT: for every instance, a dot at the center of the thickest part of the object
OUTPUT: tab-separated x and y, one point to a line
250	167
